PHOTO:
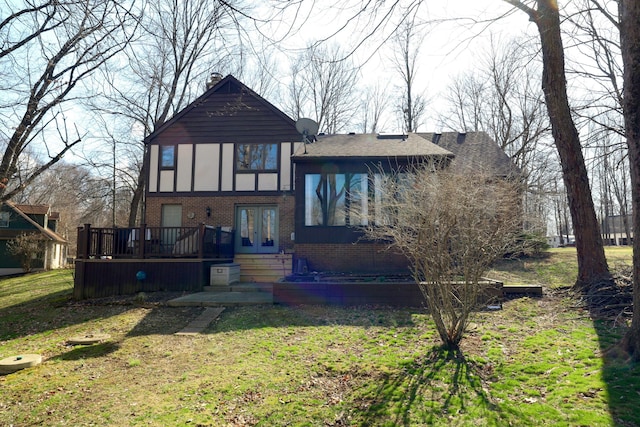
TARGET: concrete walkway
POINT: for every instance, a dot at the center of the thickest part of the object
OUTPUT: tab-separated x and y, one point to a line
201	322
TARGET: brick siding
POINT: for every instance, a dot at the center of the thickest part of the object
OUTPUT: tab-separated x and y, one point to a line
335	257
223	212
351	257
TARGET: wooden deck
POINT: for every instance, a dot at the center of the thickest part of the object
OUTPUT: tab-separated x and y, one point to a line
96	278
117	261
154	242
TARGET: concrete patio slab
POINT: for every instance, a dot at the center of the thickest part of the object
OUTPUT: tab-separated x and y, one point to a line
221	299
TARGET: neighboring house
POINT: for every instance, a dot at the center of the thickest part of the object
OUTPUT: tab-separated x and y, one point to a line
17	219
561	241
231	159
617	230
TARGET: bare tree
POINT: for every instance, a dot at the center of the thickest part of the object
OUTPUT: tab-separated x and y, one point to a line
165	69
611	179
630	42
467	107
77	194
451	226
261	71
502	97
595	35
405	59
592	264
372	108
47	51
322	87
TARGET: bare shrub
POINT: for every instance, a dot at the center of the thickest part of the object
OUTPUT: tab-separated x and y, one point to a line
451	226
26	247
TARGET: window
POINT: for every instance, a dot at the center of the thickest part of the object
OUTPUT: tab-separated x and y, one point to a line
387	189
4	219
257	157
167	156
336	199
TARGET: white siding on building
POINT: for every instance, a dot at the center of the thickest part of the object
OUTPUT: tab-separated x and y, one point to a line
185	165
153	169
268	182
285	166
207	167
245	182
166	180
227	167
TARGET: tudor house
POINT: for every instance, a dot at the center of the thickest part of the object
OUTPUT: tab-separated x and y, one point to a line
231	159
231	180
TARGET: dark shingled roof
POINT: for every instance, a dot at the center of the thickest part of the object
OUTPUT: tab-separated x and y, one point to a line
227	112
369	146
474	151
24	211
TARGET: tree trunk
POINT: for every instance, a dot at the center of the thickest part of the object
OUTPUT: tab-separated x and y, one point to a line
138	192
630	41
592	264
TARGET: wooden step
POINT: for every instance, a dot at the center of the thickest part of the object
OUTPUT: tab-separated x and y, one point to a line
217	288
266	268
252	287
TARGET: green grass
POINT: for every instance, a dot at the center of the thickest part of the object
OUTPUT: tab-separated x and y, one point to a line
556	268
539	361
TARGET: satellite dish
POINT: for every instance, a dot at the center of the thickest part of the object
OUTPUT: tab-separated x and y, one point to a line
307	127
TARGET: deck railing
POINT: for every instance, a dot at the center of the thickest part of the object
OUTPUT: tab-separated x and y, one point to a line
202	241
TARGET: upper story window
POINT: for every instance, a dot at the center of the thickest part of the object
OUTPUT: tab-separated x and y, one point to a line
4	219
257	157
167	156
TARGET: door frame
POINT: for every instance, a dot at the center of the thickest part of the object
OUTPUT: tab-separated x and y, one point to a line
257	246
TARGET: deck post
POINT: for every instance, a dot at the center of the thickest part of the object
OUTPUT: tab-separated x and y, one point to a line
81	250
201	241
218	241
86	241
142	240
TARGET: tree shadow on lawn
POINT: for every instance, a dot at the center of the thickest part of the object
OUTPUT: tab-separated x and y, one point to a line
620	374
169	320
80	352
50	312
276	316
163	320
440	385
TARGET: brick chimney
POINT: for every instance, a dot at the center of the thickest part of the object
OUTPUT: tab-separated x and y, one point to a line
213	80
